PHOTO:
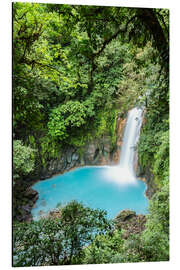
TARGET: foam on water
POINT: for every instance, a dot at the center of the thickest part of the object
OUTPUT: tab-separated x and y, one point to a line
111	188
94	187
120	176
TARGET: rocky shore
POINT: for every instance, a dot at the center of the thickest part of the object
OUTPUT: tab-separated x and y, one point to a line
96	152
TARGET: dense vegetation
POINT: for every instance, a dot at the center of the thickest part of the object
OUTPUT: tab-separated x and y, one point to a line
75	69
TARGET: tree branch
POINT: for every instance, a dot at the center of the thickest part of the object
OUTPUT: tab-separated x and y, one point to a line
106	42
34	62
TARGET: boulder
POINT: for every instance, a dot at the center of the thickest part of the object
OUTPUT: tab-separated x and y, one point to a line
31	194
55	213
75	157
90	153
125	215
130	222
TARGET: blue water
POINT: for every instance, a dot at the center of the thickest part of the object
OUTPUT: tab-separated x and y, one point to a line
96	187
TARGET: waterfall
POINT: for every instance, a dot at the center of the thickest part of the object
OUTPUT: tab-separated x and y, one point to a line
124	172
129	144
130	138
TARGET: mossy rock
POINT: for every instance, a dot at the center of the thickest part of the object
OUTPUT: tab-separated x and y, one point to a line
125	215
130	223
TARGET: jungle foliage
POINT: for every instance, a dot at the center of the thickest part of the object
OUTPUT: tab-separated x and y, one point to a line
73	63
80	235
75	69
54	240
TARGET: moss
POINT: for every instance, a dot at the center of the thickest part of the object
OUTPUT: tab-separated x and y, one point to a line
101	124
32	141
113	128
80	151
106	125
153	149
49	149
78	141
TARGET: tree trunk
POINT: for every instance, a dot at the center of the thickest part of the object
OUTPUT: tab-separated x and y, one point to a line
151	22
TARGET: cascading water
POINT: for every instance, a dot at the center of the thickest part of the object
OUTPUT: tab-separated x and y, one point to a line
124	172
130	139
112	188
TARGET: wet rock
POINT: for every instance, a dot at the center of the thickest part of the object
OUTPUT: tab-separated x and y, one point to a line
125	215
90	153
26	208
69	155
55	213
106	144
24	213
147	176
31	194
75	157
97	152
130	222
60	166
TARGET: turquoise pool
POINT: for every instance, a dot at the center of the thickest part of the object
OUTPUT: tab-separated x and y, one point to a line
99	187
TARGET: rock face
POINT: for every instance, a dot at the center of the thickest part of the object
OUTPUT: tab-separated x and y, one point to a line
120	128
130	222
125	216
147	176
96	152
23	202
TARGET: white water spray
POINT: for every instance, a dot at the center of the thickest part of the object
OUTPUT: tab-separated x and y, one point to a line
124	172
130	138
